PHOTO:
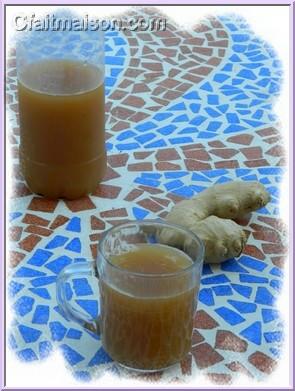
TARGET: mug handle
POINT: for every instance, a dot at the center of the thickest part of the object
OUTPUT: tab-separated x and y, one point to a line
81	269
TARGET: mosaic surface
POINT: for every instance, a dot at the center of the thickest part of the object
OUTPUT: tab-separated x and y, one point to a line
185	110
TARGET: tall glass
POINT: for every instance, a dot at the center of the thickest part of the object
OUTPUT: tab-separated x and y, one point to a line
61	110
146	319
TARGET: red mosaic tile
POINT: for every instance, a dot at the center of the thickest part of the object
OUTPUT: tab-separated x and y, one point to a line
276	248
121	125
197	337
257	163
192	146
57	222
140	87
236	366
15	257
121	112
225	153
107	191
83	203
186	365
35	229
118	160
272	140
243	139
167	154
133	194
192	165
220	378
150	205
121	212
15	233
118	94
262	362
198	154
227	164
253	251
95	237
43	205
204	321
33	219
226	340
29	242
141	155
205	356
139	116
146	166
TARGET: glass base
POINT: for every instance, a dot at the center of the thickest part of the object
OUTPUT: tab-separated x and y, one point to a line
144	371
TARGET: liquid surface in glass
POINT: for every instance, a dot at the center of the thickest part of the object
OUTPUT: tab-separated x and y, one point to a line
62	143
151	329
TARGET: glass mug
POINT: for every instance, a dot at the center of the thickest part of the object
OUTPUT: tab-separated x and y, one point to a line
61	110
146	319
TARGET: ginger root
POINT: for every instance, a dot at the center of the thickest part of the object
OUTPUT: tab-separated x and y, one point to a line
209	216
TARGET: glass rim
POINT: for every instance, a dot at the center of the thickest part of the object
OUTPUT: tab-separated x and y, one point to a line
196	263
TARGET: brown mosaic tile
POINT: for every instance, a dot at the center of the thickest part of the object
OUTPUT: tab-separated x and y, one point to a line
267	131
107	191
167	154
171	95
35	229
167	166
121	112
197	337
20	189
116	222
150	205
95	237
57	222
29	242
121	212
262	362
227	164
93	249
192	78
151	190
198	154
15	233
244	139
140	87
110	174
133	194
220	378
83	203
43	205
204	321
253	251
167	52
278	261
277	150
118	160
252	152
171	42
267	236
142	155
133	101
236	366
186	365
276	248
147	166
138	116
256	163
192	165
97	223
205	356
118	94
161	201
15	257
225	153
226	340
175	198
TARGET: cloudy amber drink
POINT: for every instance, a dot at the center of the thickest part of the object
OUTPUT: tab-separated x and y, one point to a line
62	143
151	329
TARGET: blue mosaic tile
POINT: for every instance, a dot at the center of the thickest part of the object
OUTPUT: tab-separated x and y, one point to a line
217	279
100	357
82	376
273	336
27	272
268	315
23	305
41	292
41	281
29	334
90	306
74	245
39	257
222	290
139	213
57	241
243	290
229	316
81	287
206	296
41	314
27	355
74	225
253	333
263	296
14	287
58	331
74	334
58	264
242	306
45	348
71	355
